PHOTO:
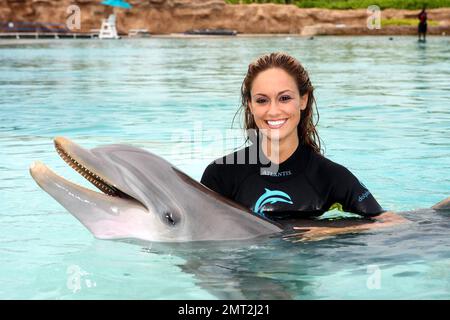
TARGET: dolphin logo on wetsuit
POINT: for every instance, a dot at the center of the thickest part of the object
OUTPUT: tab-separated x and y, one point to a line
271	196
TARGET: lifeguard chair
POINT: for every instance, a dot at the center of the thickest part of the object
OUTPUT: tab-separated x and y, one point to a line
108	29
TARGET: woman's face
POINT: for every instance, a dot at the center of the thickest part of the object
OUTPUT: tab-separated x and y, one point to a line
276	104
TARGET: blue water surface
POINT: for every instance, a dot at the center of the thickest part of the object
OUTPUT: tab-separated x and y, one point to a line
384	114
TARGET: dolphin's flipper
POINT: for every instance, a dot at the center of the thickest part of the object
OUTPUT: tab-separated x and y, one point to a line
442	205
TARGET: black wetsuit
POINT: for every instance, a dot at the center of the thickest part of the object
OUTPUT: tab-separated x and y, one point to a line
305	185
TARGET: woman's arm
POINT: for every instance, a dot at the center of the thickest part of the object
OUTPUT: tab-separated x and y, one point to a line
314	233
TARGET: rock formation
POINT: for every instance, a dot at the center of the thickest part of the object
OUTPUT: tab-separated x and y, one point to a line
175	16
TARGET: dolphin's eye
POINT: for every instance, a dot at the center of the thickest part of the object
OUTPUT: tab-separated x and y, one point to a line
168	216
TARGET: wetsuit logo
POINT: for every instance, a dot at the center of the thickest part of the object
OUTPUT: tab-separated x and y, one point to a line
276	174
271	196
365	194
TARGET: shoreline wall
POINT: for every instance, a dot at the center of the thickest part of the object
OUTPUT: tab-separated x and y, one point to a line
176	16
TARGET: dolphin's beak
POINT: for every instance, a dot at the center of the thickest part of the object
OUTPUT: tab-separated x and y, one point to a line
93	209
63	190
85	163
51	182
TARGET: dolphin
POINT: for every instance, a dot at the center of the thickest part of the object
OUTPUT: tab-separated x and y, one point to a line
144	197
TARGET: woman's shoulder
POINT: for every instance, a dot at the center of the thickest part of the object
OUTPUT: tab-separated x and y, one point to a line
224	173
233	164
326	167
330	176
229	161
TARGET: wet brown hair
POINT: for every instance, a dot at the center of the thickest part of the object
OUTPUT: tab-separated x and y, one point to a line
306	129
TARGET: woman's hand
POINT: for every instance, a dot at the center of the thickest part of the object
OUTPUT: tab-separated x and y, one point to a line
386	219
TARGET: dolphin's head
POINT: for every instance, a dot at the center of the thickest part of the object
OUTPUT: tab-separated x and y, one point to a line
143	197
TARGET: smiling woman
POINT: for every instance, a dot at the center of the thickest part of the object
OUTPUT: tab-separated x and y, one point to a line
277	97
277	101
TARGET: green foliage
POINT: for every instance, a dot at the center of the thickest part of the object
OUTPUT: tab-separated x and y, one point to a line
405	22
260	1
355	4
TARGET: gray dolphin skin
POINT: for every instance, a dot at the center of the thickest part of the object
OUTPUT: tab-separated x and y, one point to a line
144	197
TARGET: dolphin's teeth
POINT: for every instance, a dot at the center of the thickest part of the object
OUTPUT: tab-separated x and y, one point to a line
87	174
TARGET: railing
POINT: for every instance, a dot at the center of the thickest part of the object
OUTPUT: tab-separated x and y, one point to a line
46	35
15	27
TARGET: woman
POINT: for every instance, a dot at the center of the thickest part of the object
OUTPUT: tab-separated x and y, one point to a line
283	174
422	24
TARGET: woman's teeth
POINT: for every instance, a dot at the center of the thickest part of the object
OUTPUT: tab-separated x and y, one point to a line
275	124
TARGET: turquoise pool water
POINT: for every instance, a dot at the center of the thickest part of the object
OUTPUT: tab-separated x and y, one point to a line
384	114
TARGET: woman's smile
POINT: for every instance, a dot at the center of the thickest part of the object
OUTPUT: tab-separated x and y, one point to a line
276	124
